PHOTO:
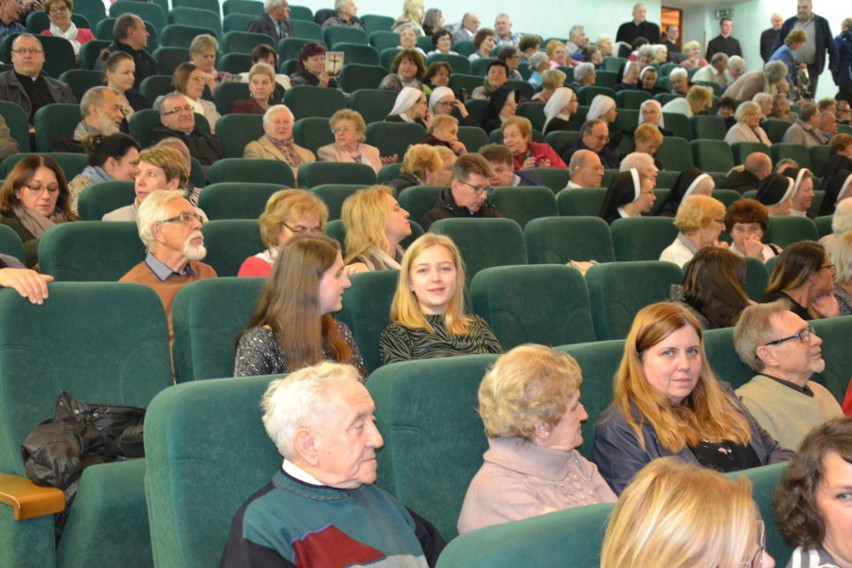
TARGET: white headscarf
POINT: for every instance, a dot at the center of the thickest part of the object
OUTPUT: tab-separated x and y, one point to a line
662	122
406	99
557	103
438	93
694	185
601	105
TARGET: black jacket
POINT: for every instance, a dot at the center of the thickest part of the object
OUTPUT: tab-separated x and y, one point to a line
145	64
202	147
445	207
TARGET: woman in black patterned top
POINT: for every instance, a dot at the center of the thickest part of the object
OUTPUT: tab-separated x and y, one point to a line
293	326
427	314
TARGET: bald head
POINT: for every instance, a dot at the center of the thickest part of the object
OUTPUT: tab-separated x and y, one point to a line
759	164
586	169
776	21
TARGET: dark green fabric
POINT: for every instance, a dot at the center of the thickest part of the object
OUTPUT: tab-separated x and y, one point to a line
558	240
289	47
358	75
816	204
373	104
785	230
228	92
236	131
756	278
479	66
81	80
679	124
572	537
586	94
26	544
458	63
394	137
375	23
208	316
333	194
144	121
673	155
236	63
181	35
469	82
99	199
473	138
434	439
795	152
313	133
10	243
642	238
823	225
819	157
523	204
207	452
168	58
307	101
631	99
240	22
618	290
236	200
241	170
242	42
554	178
210	5
71	164
726	196
418	199
712	155
742	149
339	34
546	304
321	173
835	334
484	242
776	128
149	13
87	251
580	202
707	127
382	38
52	122
667	179
248	7
366	310
726	364
199	18
229	242
16	120
357	53
389	172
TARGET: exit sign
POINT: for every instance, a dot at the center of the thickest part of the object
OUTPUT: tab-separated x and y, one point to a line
727	13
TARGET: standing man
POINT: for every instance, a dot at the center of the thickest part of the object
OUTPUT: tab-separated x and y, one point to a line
638	27
503	31
819	42
672	35
275	22
469	25
768	37
724	42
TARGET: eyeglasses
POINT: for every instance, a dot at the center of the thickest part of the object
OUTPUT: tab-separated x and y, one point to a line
298	229
38	189
56	9
757	560
478	189
827	266
804	336
176	110
30	50
184	218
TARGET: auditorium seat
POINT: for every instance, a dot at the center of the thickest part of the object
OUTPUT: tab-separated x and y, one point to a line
785	230
99	199
235	200
523	204
418	199
313	133
334	194
10	243
558	240
707	127
823	225
795	152
473	138
373	104
835	333
580	202
90	251
673	154
642	238
712	155
741	150
305	101
320	173
366	310
356	75
236	130
16	120
229	242
249	170
394	137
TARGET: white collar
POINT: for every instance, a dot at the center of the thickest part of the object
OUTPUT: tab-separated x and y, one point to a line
295	471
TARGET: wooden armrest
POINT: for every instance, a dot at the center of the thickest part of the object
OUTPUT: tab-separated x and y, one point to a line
28	499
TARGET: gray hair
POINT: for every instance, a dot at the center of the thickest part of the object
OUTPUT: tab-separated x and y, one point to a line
153	210
584	70
267	116
301	400
842	220
202	43
94	96
754	329
719	58
746	108
761	98
679	72
537	59
341	4
575	29
636	161
648	49
736	62
775	71
162	102
841	254
269	5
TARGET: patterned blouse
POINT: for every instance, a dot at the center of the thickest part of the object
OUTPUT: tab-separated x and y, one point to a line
844	300
259	353
399	343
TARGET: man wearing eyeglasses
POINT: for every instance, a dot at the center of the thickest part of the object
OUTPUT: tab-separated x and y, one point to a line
178	119
26	85
465	198
170	229
785	353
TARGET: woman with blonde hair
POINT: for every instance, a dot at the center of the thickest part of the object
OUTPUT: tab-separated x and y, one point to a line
202	52
692	50
261	81
444	131
427	315
288	212
529	402
551	80
375	224
348	127
412	15
293	326
668	402
420	166
682	516
747	127
700	220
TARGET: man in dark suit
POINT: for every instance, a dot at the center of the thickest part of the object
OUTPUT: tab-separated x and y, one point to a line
275	23
131	36
820	41
638	27
178	120
724	42
769	35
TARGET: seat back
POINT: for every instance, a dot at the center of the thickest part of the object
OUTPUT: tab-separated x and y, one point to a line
614	304
835	333
249	7
538	541
558	240
501	295
229	242
227	93
235	63
418	199
708	127
255	171
712	155
473	138
101	198
307	101
373	104
333	195
313	133
242	41
17	122
795	152
11	244
374	23
236	200
580	202
631	99
204	19
240	22
741	150
394	137
820	156
823	225
199	472
672	155
236	131
554	178
775	129
642	238
206	339
320	173
409	396
149	12
679	125
356	75
458	63
523	204
71	164
756	278
81	80
484	242
726	364
52	122
785	230
383	38
366	310
90	251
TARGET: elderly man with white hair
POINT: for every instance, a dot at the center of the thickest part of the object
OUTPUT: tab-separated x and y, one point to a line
346	17
584	76
679	78
639	26
768	36
641	162
503	34
177	119
275	22
322	507
277	141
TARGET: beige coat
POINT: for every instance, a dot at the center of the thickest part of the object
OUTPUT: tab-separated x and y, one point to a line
264	149
331	153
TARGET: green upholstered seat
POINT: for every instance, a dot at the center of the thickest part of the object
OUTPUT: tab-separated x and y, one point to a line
673	155
99	199
313	133
235	63
587	94
374	22
726	364
236	200
785	230
776	128
366	310
571	537
667	179
484	242
357	75
248	7
458	63
16	120
554	178
816	203
181	35
149	12
307	101
206	339
227	93
708	127
726	196
93	10
302	13
198	18
90	251
334	194
835	333
200	471
388	172
373	104
248	170
479	66
630	99
242	41
742	149
546	304
10	243
289	47
819	157
394	137
580	202
712	155
823	225
168	58
618	290
523	204
473	137
756	278
210	5
795	152
341	34
447	452
144	121
236	131
359	54
240	22
678	124
81	80
418	199
558	240
642	238
383	38
229	242
320	173
71	164
100	342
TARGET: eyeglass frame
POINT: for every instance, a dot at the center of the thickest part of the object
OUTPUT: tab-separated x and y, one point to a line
300	230
40	190
184	217
761	547
30	50
804	336
477	189
177	110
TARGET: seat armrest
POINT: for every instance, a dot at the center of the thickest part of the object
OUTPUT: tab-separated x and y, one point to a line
28	499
